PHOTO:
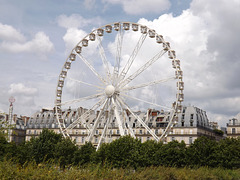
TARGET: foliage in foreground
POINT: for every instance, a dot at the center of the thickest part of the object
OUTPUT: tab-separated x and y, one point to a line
11	170
125	152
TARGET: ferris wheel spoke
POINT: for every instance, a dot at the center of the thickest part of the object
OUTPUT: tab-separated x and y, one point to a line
133	56
148	84
104	58
92	69
82	82
141	100
118	55
142	69
81	99
96	122
139	120
82	118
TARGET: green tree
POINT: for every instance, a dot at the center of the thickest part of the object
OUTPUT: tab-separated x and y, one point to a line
227	153
64	152
148	153
122	152
201	152
84	154
171	154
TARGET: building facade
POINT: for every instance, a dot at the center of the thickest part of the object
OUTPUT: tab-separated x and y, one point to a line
16	129
233	127
192	123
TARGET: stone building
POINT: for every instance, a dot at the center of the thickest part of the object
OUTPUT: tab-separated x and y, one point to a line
233	127
192	123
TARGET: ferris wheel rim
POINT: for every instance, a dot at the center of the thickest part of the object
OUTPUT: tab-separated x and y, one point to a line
74	52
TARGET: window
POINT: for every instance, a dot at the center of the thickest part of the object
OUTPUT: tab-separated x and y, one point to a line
76	132
148	138
156	131
173	138
190	140
233	131
96	131
233	120
83	139
191	123
140	131
184	110
192	116
182	123
96	139
118	131
133	125
183	116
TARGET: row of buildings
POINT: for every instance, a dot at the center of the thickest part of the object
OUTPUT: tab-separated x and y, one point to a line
192	123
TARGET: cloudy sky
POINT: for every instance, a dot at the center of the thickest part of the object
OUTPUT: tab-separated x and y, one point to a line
37	36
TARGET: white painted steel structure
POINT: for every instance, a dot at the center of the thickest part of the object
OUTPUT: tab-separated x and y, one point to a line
108	71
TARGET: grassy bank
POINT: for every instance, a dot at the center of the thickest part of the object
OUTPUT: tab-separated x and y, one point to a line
10	170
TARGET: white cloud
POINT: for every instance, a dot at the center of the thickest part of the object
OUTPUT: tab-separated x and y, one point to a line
139	7
89	4
76	21
8	33
25	98
72	37
21	89
206	41
40	44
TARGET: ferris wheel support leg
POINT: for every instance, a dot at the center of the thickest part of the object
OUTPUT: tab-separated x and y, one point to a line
103	133
118	118
96	122
140	120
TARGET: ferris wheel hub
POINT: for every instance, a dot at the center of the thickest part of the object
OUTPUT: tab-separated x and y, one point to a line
109	90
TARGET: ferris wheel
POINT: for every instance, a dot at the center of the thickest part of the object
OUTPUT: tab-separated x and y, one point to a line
114	73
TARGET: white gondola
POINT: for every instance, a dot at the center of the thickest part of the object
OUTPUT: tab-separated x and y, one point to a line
180	85
92	37
126	26
85	42
78	49
60	83
108	28
100	32
63	74
159	39
151	33
179	74
72	57
67	65
134	27
59	93
180	97
117	26
176	63
143	29
166	46
171	54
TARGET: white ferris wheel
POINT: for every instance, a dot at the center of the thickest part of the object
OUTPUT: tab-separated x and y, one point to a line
115	72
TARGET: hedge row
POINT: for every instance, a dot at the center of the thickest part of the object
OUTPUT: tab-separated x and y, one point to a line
124	152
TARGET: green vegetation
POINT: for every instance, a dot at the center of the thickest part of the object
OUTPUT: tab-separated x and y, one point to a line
51	156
